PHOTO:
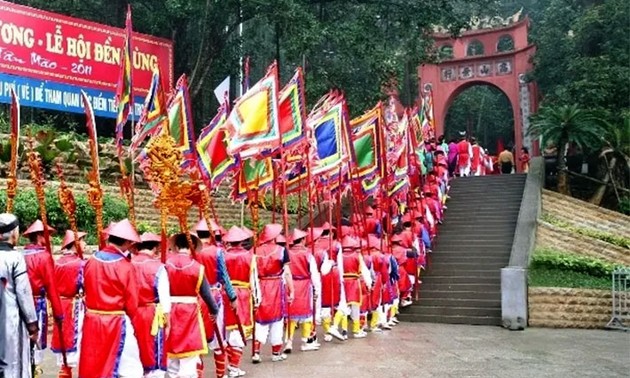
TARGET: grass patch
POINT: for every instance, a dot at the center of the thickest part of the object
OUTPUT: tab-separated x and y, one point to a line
613	239
553	277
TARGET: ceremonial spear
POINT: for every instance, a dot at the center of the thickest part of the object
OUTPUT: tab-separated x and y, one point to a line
38	182
69	206
95	191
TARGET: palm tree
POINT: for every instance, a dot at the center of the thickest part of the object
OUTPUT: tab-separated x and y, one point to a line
615	154
565	125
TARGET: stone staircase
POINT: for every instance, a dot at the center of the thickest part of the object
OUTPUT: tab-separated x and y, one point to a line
462	284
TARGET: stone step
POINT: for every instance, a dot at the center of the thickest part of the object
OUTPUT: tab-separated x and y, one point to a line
472	273
463	294
457	311
457	266
453	301
430	285
455	319
430	279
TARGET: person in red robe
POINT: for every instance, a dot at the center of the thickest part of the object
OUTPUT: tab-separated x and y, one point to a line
380	269
41	275
276	285
307	286
154	306
187	340
464	153
111	301
241	267
69	282
331	271
212	257
477	158
354	271
320	254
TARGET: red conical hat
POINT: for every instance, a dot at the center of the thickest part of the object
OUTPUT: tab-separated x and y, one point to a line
369	211
69	238
347	230
356	218
348	242
270	232
37	226
417	214
124	230
374	241
298	234
150	237
236	234
202	225
249	232
328	227
317	233
281	239
406	218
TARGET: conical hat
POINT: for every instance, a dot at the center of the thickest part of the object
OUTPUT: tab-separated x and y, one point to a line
148	237
298	234
37	226
348	242
69	238
270	232
281	239
202	226
235	235
124	230
317	233
374	241
328	227
369	211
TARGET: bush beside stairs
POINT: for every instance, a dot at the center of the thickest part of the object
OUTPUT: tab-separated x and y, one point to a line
462	283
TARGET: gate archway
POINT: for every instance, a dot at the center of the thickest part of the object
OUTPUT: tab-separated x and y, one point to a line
499	57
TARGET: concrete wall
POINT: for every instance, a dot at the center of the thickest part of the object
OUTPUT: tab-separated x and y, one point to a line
569	308
514	277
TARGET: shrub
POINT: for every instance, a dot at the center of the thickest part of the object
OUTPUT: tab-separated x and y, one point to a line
551	259
26	208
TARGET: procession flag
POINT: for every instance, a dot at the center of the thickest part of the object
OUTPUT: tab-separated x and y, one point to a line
124	90
222	91
214	159
292	110
181	122
154	113
253	175
253	122
327	124
365	142
15	148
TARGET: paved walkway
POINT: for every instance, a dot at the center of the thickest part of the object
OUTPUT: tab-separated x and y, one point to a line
438	350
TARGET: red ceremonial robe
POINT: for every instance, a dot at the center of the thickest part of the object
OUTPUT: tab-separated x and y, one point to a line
389	287
69	281
152	347
110	293
302	306
269	261
208	257
400	254
239	263
188	336
476	158
463	153
331	283
41	275
352	276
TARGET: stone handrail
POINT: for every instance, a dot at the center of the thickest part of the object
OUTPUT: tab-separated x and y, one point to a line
514	276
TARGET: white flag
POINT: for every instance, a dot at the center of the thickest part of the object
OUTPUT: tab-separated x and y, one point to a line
222	91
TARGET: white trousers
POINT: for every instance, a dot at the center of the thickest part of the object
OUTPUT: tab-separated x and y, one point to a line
155	374
464	170
130	365
274	331
183	367
234	338
214	343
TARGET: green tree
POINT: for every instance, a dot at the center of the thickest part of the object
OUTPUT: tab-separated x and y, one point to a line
565	125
